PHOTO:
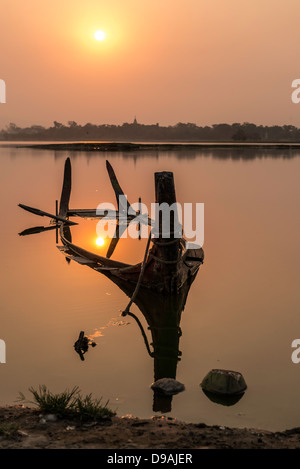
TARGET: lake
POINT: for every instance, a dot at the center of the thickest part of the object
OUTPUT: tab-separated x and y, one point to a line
241	312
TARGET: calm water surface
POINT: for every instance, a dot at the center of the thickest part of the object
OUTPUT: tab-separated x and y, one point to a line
242	311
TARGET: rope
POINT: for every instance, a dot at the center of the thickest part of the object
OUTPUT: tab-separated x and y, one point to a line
142	331
127	312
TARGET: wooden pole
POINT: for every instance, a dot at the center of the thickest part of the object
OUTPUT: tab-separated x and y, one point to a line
166	251
165	196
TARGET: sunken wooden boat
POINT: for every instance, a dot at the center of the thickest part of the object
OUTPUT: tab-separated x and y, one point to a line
168	265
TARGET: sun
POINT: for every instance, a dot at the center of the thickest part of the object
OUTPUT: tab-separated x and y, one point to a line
100	241
100	35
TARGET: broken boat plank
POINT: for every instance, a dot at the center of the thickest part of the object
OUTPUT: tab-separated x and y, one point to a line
41	213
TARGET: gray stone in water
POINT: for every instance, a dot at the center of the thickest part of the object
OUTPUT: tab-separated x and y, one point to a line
168	386
224	382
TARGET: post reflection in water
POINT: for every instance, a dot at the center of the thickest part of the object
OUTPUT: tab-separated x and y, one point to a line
162	313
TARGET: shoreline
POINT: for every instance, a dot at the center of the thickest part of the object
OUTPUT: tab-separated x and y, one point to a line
104	146
35	432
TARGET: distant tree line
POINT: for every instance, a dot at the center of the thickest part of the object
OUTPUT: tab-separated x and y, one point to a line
245	132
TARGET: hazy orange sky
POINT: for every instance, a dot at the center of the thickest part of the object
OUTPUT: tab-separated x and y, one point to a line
166	61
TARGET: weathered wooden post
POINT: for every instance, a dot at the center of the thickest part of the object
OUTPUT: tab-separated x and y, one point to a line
165	198
167	248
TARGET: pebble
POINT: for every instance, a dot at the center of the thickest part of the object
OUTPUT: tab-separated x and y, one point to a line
48	418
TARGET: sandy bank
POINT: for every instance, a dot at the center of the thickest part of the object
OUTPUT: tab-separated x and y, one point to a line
132	433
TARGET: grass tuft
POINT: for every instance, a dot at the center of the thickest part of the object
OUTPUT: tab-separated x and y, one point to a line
68	404
9	430
91	409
